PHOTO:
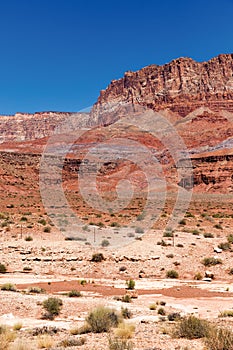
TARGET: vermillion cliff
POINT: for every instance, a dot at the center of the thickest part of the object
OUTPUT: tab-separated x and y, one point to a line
180	85
196	97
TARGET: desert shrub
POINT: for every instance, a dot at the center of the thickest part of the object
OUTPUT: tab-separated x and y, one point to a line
182	222
172	274
124	331
198	276
230	238
141	217
130	234
47	229
139	230
126	298
168	234
163	243
189	215
211	261
36	290
3	268
17	326
72	342
105	243
208	235
174	316
195	232
226	313
161	311
8	287
74	293
153	307
224	246
97	257
42	222
191	328
126	313
231	271
53	307
27	269
219	339
28	239
179	245
130	284
170	256
82	282
23	218
101	319
115	224
119	344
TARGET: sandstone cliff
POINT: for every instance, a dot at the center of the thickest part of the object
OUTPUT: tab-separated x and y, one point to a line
181	85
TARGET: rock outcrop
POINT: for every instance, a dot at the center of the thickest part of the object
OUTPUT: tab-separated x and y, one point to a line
181	85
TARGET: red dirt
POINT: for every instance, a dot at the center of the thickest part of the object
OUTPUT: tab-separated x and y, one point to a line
175	292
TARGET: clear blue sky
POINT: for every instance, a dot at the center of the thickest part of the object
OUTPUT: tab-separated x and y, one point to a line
58	54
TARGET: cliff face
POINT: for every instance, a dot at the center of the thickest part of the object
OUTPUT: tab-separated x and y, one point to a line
29	127
181	85
196	97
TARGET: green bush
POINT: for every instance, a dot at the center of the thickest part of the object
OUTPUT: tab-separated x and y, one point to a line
74	294
174	316
224	246
36	290
192	328
230	238
102	319
126	313
3	268
168	234
8	287
28	239
161	311
126	298
53	307
211	261
208	235
172	274
226	313
130	284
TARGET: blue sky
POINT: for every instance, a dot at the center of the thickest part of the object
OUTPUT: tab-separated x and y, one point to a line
58	54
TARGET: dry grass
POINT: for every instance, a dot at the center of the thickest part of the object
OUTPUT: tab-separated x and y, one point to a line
6	337
45	342
21	344
219	339
124	331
